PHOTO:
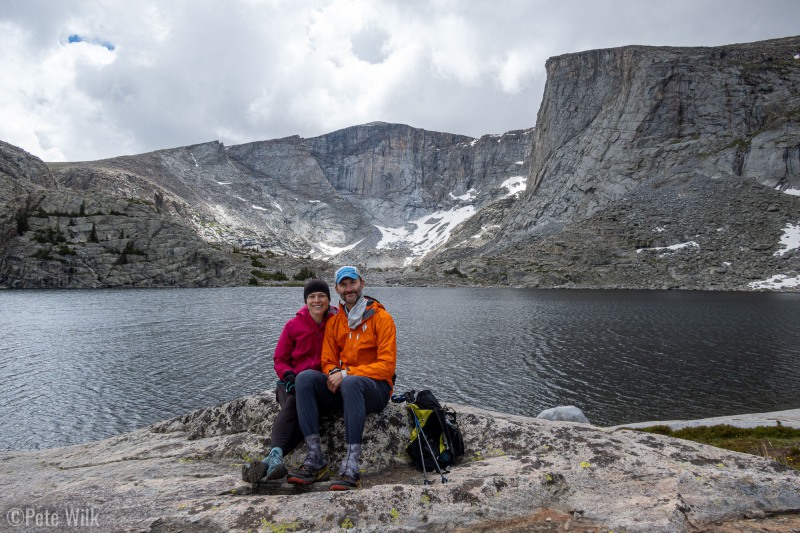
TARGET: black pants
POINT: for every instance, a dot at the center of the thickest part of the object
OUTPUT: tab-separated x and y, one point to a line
286	433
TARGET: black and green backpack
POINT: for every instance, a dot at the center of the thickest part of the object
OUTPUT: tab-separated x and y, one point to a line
436	441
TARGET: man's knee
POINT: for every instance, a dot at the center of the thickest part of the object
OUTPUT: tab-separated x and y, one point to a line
353	384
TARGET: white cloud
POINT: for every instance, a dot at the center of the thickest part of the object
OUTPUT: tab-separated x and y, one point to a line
189	71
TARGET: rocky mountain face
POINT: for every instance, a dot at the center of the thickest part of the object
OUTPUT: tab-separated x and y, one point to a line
653	167
380	194
648	167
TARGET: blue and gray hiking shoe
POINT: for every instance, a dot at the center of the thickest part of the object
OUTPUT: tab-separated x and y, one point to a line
275	467
271	467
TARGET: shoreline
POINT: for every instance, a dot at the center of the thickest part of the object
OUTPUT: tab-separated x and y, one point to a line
788	417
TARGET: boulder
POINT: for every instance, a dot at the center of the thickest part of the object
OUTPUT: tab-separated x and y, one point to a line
564	413
518	474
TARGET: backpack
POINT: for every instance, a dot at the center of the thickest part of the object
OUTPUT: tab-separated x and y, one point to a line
440	443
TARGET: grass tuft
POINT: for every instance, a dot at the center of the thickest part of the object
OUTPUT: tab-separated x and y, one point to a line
779	443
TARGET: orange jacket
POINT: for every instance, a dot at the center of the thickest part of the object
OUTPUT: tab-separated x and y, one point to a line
370	350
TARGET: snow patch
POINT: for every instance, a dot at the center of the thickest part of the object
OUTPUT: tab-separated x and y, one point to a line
793	192
790	240
519	162
315	201
670	249
224	183
660	229
430	231
515	185
278	206
466	197
331	251
259	207
196	165
779	281
797	56
486	229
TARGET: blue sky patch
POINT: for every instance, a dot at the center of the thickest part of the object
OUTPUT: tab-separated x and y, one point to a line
75	38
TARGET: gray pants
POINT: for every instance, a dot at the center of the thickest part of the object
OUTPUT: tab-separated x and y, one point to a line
357	396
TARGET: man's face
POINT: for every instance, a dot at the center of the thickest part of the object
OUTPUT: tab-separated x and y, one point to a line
349	290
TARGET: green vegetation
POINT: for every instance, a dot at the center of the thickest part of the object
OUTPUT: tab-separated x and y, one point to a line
304	274
93	234
65	250
49	236
44	254
274	276
740	144
455	272
779	443
280	527
256	263
140	201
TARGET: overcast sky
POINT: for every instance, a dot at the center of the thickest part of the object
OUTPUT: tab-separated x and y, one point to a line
89	79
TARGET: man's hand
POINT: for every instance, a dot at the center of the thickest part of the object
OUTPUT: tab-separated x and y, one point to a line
335	381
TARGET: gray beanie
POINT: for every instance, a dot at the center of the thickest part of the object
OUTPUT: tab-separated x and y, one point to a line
316	285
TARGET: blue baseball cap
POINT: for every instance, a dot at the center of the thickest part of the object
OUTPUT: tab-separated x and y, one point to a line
347	272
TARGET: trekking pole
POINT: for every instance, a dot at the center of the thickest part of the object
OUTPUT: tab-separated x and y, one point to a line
421	453
430	449
435	462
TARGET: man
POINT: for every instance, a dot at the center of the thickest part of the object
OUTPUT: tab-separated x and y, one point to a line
359	354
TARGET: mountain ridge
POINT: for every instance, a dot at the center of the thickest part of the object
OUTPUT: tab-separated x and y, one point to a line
636	150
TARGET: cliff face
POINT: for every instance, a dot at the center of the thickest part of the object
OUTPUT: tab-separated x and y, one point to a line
641	148
613	119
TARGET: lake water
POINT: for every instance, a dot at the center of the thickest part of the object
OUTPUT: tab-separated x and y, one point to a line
77	366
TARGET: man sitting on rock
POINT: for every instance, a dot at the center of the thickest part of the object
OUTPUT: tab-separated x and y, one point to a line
359	354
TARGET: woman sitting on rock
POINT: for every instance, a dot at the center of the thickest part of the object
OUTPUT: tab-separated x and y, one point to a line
298	349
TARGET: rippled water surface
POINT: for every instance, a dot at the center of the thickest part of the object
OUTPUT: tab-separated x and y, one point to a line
81	365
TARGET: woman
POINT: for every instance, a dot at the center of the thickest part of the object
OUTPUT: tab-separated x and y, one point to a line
298	349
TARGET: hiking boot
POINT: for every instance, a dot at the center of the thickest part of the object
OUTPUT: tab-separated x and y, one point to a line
275	467
254	471
346	483
306	475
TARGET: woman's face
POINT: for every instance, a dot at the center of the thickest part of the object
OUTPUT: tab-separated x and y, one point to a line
318	303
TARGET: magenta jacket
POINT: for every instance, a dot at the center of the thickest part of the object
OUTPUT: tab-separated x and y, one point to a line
300	344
